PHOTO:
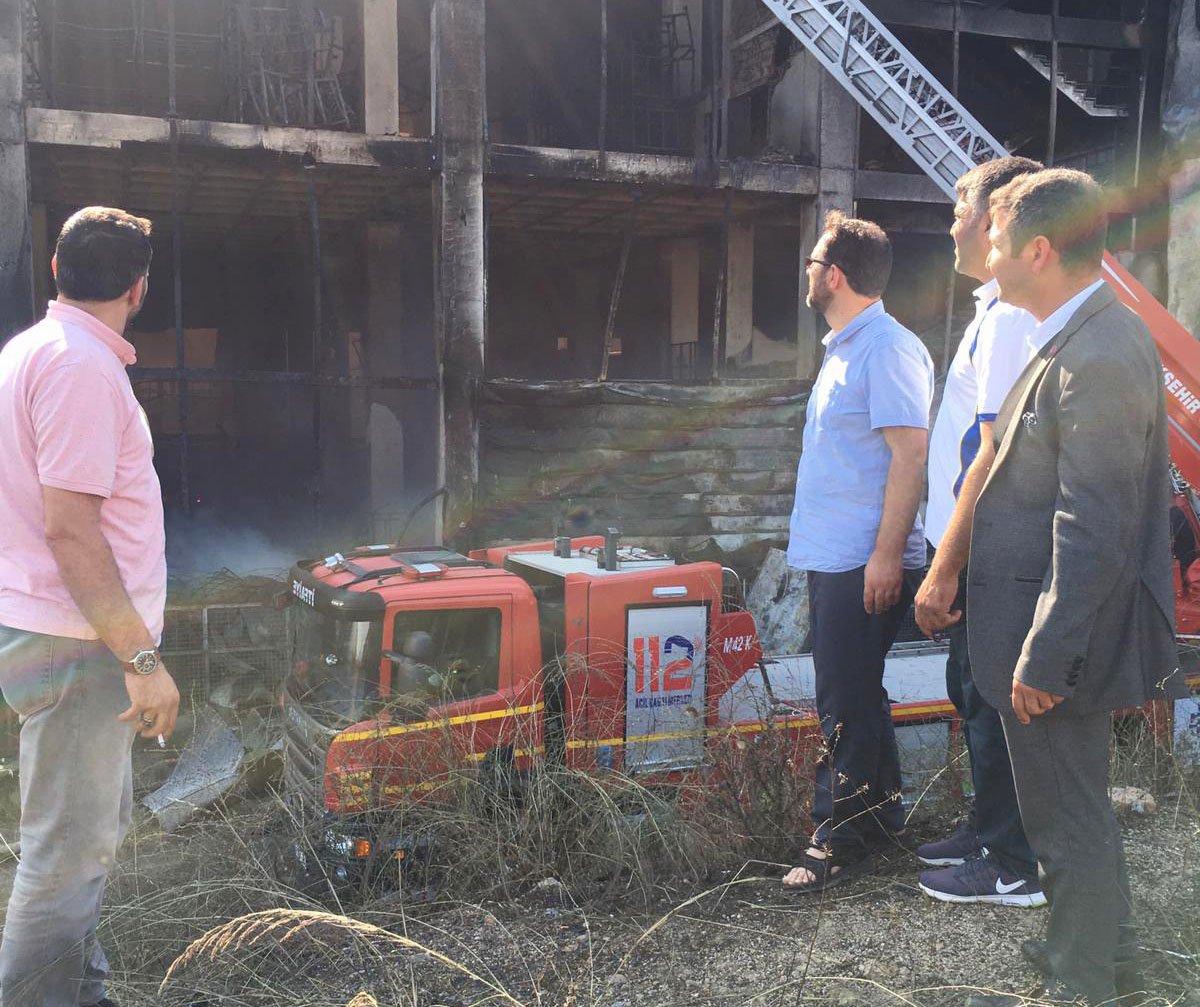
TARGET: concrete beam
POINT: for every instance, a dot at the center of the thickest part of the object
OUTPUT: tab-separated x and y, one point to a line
110	130
898	187
16	248
977	20
460	275
650	169
381	67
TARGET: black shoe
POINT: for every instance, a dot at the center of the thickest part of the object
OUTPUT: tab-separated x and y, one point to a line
961	845
1129	978
103	1002
983	879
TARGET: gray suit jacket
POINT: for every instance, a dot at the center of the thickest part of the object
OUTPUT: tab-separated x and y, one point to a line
1069	583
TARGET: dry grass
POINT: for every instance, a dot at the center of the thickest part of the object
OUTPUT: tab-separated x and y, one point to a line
593	890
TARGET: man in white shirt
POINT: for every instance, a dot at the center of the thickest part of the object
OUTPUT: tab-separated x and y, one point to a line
987	859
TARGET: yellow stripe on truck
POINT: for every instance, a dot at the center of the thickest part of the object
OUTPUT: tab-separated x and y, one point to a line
707	731
428	725
913	709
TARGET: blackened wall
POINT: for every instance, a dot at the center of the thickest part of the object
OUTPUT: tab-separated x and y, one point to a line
678	468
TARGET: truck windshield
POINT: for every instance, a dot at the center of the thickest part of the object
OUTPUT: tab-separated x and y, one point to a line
334	666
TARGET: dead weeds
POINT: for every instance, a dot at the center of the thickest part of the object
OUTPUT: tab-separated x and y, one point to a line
641	910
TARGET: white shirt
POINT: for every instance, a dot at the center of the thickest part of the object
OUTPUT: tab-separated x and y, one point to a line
1055	321
994	350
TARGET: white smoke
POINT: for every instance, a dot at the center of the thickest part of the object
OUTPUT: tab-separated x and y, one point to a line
204	544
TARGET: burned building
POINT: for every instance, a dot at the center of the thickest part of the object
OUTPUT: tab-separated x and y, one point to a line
546	254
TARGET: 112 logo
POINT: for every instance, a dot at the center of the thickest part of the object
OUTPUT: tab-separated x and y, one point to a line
650	674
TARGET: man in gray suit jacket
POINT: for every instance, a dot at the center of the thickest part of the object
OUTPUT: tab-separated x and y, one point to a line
1069	576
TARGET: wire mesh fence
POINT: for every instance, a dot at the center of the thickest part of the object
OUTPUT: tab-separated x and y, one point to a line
231	654
211	649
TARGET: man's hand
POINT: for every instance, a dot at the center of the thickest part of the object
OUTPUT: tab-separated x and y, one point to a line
1029	702
154	702
882	581
932	604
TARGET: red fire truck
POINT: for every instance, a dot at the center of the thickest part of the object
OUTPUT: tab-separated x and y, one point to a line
407	664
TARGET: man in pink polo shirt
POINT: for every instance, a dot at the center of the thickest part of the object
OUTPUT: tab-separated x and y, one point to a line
82	590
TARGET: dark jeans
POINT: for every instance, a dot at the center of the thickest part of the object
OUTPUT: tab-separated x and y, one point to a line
856	800
997	819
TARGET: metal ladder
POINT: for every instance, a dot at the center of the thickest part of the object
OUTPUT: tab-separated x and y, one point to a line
945	140
891	85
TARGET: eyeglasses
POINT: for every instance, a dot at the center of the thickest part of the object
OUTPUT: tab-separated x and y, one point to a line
820	262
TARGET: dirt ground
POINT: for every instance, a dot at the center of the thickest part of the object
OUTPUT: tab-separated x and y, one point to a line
876	940
731	938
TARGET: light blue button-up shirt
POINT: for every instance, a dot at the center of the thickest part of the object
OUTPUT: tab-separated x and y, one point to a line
876	374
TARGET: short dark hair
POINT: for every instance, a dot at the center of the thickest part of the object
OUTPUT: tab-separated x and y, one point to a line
861	250
977	185
1066	206
101	253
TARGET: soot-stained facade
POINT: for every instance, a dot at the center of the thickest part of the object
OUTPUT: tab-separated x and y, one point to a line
546	254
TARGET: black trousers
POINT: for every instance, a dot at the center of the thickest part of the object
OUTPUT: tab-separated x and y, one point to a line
997	817
856	799
1060	765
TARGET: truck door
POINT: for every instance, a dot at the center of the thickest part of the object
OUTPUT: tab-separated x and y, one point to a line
452	670
665	686
647	637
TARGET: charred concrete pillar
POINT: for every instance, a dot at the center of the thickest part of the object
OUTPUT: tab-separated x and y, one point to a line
1181	122
385	426
832	116
43	281
400	343
684	255
739	292
381	67
460	274
16	247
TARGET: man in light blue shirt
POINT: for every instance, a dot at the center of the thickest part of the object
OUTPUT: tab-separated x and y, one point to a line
855	531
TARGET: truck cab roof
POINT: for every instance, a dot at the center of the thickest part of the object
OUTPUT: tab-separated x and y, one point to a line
362	582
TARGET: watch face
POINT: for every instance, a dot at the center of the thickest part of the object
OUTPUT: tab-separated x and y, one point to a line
145	662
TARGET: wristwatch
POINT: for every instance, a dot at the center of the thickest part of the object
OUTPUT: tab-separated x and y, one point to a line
144	662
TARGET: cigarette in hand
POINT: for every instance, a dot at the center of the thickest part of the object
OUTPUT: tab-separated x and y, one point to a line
161	742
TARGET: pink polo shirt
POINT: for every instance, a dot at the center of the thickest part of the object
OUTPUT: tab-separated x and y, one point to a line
69	420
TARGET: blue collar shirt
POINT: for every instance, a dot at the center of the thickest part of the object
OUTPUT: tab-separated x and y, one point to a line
876	374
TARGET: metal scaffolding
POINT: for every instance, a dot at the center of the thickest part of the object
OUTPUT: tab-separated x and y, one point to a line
284	63
654	79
